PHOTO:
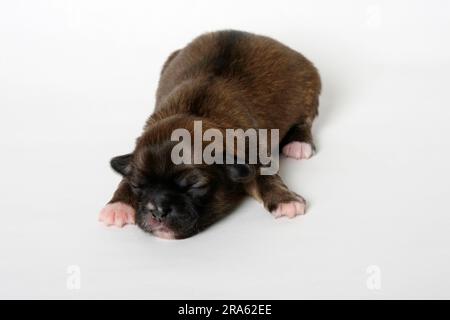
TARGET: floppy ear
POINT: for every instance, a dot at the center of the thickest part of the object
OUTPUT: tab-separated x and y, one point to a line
121	164
240	173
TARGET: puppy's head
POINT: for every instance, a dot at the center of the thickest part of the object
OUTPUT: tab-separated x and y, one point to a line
178	200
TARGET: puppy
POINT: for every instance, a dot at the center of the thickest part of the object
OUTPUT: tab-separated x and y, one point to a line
226	79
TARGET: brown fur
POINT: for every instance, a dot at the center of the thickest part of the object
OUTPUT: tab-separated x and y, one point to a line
231	79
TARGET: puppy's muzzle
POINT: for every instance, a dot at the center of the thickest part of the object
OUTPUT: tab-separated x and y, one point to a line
160	208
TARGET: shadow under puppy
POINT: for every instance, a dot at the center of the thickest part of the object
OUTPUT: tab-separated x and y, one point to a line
226	79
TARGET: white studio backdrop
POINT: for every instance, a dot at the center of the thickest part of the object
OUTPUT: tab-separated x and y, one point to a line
77	81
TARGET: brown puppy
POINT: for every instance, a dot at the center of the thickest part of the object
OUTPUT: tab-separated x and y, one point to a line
226	79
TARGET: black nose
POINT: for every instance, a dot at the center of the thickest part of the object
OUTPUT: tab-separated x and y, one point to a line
161	211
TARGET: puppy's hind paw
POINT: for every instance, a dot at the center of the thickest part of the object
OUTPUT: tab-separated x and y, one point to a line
298	150
117	214
290	209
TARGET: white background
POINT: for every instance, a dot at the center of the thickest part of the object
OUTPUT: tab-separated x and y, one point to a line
77	81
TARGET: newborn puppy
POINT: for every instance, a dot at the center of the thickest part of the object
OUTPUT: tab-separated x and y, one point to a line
226	79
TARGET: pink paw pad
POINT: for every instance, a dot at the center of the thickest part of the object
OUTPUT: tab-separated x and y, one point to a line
117	214
290	209
298	150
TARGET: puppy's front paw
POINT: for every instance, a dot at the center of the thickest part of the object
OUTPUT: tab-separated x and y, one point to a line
298	150
118	214
290	209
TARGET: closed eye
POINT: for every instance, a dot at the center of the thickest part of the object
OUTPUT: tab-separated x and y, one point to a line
199	184
136	188
197	190
193	180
